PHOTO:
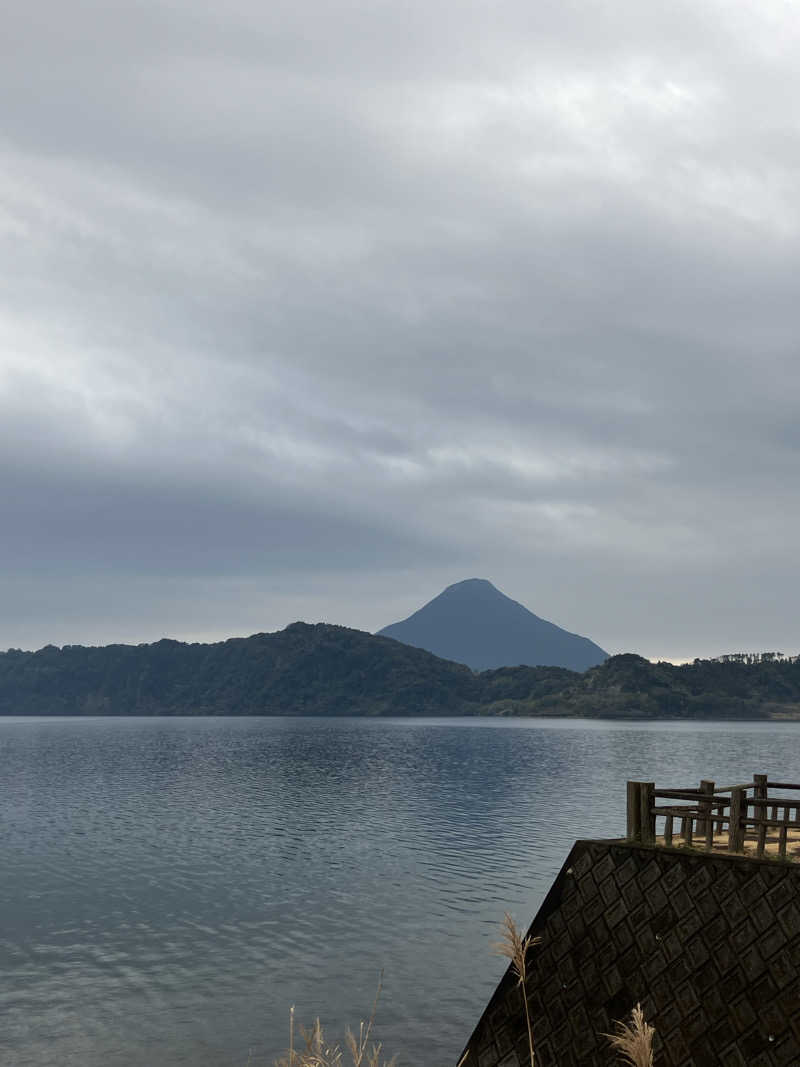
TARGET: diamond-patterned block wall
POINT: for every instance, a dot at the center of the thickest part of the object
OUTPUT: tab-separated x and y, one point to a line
710	946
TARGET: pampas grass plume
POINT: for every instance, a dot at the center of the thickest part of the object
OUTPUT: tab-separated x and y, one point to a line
633	1041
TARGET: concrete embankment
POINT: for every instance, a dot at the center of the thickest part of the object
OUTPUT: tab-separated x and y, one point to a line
709	943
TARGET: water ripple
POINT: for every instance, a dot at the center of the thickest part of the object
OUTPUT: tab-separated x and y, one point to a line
170	887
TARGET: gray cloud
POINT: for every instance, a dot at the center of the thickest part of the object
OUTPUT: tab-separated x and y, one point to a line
309	310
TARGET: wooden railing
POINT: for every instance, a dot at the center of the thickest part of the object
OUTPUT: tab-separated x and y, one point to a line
718	817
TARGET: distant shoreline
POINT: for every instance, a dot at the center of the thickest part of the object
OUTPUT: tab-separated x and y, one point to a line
326	670
484	718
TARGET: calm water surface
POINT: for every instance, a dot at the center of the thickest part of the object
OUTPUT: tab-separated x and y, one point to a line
169	887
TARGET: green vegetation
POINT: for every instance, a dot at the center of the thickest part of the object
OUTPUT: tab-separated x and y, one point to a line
331	670
627	686
302	670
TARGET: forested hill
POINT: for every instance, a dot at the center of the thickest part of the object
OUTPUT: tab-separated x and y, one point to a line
331	670
765	685
302	670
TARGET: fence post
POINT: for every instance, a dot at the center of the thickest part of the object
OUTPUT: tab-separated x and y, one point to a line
668	829
735	827
760	792
634	828
648	820
706	824
760	810
687	824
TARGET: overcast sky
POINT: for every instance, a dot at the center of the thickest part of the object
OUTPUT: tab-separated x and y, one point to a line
309	310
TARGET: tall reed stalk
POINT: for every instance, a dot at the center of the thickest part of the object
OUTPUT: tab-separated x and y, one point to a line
516	947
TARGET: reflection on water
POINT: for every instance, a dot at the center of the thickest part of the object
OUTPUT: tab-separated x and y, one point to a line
169	887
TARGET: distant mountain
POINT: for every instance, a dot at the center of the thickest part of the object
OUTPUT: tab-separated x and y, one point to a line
472	622
332	670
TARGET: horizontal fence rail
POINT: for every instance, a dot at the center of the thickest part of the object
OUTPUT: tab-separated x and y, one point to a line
725	818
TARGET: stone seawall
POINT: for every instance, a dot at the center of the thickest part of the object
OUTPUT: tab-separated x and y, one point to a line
709	944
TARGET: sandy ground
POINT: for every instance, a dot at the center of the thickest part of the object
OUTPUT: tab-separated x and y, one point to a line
750	843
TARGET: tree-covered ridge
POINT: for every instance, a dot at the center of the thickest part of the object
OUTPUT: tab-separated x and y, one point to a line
302	670
332	670
760	685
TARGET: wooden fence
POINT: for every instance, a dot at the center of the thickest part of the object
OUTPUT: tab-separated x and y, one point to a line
722	818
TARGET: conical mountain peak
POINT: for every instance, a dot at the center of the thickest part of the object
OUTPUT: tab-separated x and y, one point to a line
473	622
469	585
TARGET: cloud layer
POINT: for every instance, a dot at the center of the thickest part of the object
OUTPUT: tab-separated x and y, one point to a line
309	310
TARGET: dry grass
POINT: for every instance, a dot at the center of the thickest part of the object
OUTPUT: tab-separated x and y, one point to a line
633	1041
516	947
318	1053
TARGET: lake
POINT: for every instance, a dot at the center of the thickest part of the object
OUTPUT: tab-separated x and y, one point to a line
170	887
